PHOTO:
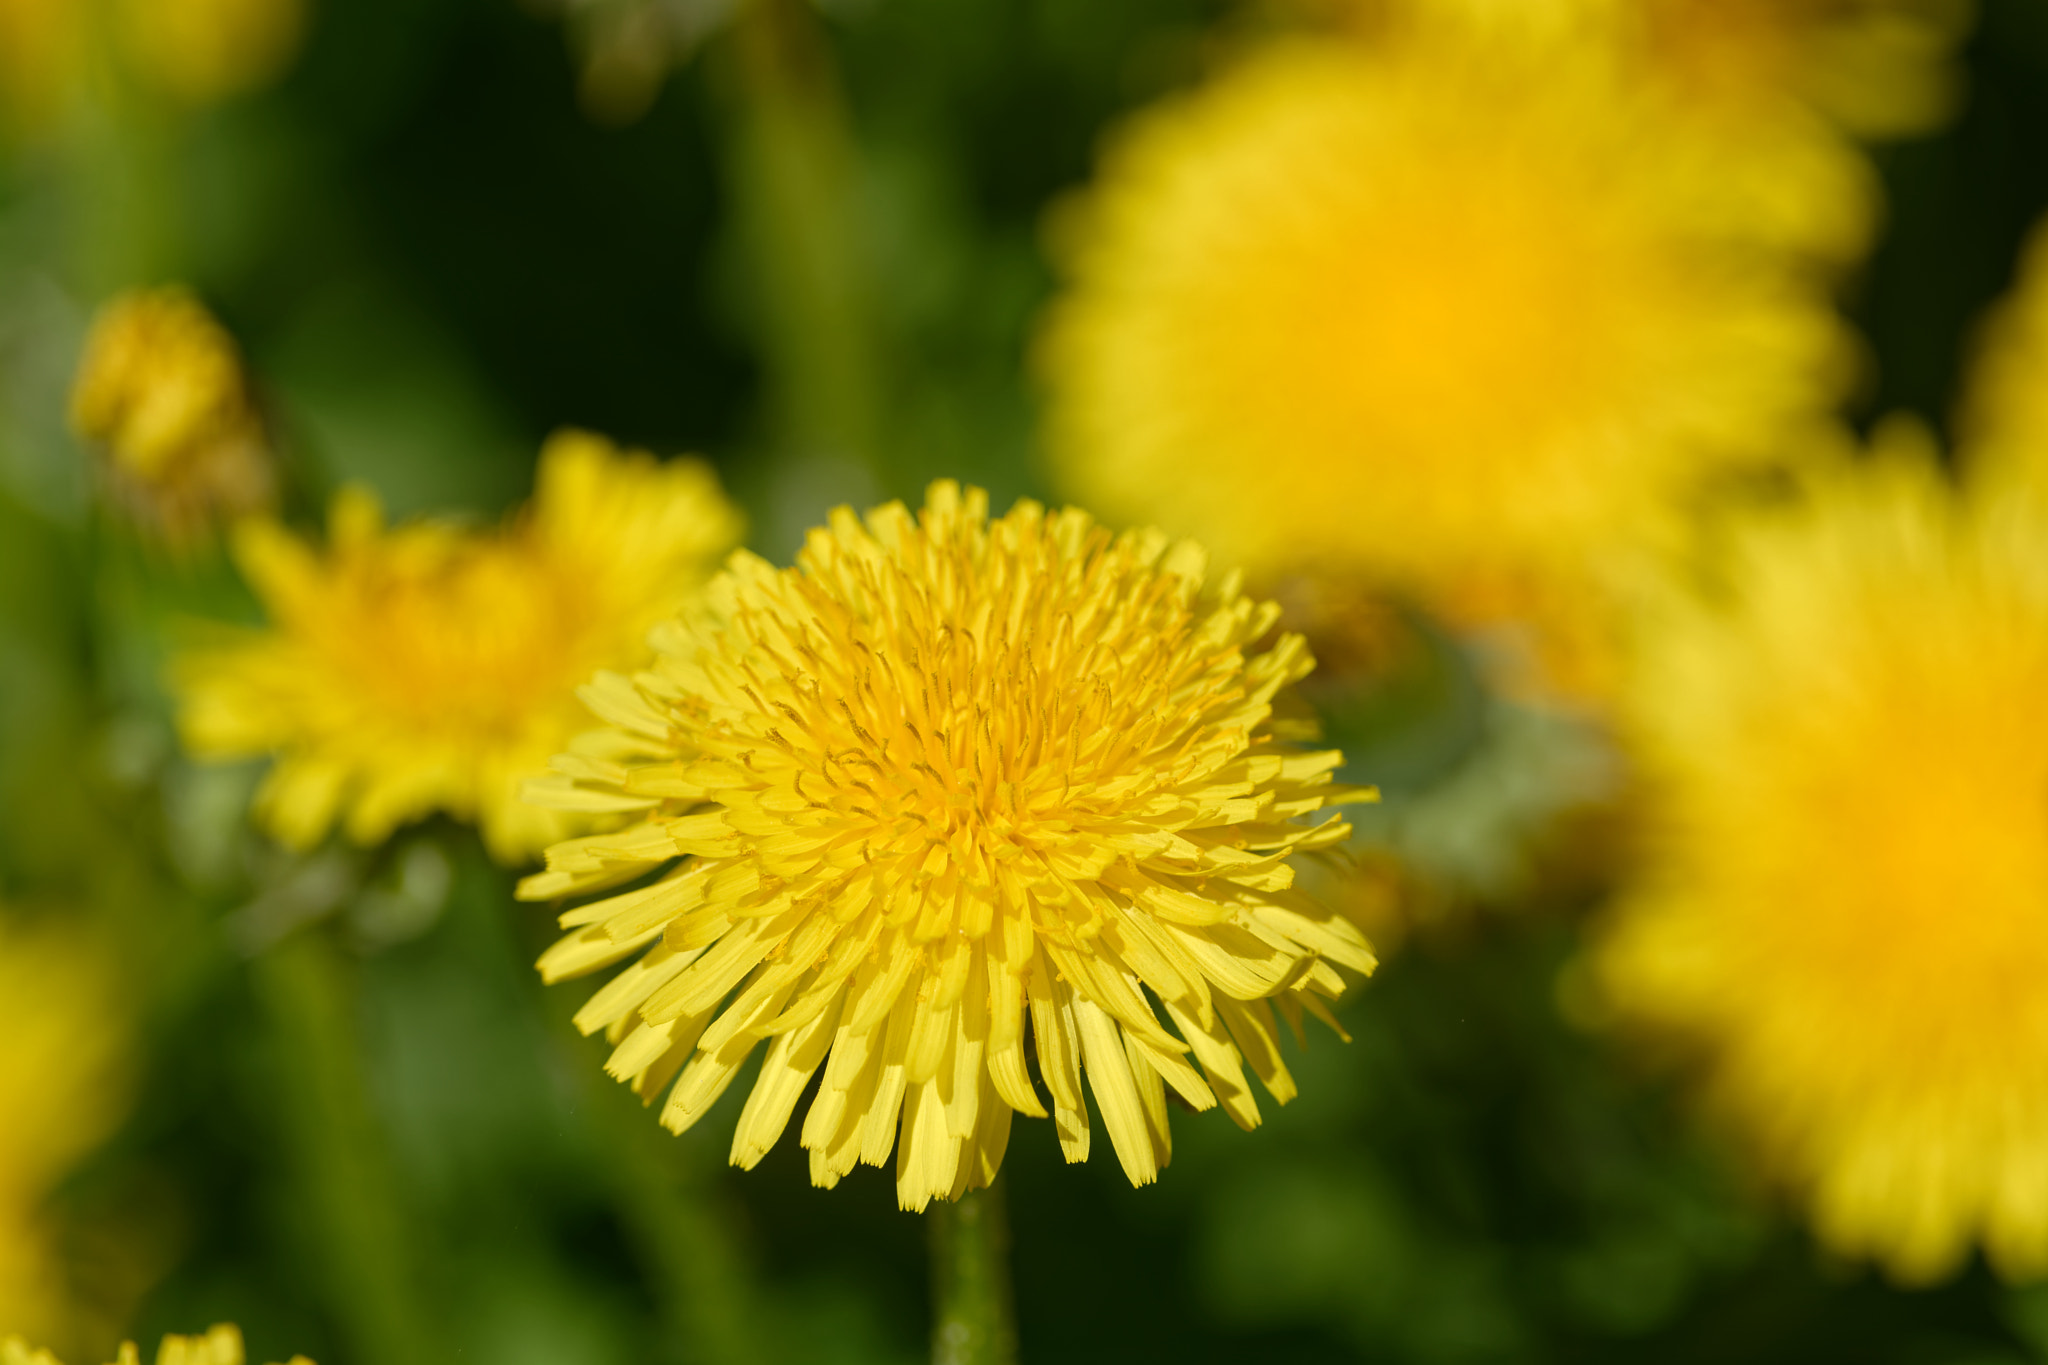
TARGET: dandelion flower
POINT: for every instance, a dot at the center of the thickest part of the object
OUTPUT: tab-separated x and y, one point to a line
1841	902
943	771
63	1073
1467	330
160	389
431	667
222	1345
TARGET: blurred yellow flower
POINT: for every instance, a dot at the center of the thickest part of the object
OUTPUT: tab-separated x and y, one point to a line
1840	906
942	770
63	1084
433	667
205	51
41	45
55	52
160	390
222	1345
1880	68
1464	328
2003	424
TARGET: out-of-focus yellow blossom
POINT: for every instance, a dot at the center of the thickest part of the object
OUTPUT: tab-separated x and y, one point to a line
221	1345
1879	68
1840	902
2003	425
160	389
431	667
1466	329
54	53
63	1082
205	51
943	771
42	43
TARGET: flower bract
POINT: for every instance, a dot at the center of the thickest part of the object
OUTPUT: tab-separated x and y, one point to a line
949	798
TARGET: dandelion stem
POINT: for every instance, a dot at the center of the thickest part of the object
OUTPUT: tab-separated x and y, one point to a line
971	1317
664	1191
350	1192
794	173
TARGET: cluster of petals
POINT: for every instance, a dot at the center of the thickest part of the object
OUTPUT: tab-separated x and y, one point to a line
432	666
947	815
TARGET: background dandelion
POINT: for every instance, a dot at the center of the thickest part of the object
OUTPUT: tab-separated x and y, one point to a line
429	667
1287	286
1854	954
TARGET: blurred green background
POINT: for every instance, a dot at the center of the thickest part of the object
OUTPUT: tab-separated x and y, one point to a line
362	1120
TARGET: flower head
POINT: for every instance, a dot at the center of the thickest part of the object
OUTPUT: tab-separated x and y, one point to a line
942	772
160	390
433	667
1840	909
1467	329
221	1345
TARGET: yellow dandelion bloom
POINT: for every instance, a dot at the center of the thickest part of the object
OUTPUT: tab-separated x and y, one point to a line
2004	419
943	771
63	1075
160	389
221	1345
205	51
1465	330
1881	68
1840	906
431	667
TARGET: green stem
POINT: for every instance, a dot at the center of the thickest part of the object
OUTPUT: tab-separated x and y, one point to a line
795	185
661	1187
972	1322
353	1208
